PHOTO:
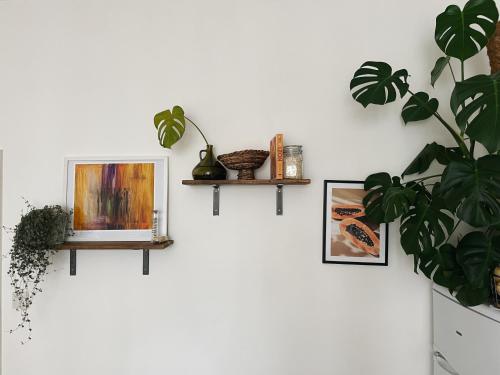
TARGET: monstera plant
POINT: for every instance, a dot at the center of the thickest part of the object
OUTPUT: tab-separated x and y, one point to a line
434	208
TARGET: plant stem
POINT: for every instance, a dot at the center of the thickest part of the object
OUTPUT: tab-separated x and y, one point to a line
454	134
451	70
197	128
423	178
472	146
453	230
462	69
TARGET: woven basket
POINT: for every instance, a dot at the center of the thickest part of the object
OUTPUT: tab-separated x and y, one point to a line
244	162
493	48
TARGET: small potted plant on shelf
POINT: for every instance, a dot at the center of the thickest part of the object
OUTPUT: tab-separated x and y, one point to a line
36	236
170	125
467	187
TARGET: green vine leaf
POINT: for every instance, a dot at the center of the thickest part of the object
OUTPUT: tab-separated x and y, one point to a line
170	126
419	107
474	186
374	83
462	34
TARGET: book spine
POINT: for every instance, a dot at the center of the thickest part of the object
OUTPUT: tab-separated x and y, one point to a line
279	156
272	153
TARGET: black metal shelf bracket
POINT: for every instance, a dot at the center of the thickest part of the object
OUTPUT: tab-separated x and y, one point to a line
216	200
145	262
72	262
279	199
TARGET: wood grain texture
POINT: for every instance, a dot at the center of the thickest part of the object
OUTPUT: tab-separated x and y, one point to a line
248	182
114	245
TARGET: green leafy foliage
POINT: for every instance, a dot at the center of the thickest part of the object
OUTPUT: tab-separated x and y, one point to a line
431	152
425	226
35	237
462	34
438	68
474	187
374	83
387	199
477	255
419	107
465	188
170	125
440	265
476	104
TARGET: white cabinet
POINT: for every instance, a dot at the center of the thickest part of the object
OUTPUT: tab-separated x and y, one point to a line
466	340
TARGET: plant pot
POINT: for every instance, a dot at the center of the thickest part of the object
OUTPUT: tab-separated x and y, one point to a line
209	168
493	49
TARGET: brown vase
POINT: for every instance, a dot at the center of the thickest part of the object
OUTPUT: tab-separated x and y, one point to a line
493	49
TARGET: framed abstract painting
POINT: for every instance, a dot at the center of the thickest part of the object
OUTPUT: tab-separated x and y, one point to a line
348	236
113	199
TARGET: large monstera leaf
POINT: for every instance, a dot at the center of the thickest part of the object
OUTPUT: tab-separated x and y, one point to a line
477	255
170	126
375	83
476	104
474	187
387	199
419	107
432	151
425	226
462	34
440	265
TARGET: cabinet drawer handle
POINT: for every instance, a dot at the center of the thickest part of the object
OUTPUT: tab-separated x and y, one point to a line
444	364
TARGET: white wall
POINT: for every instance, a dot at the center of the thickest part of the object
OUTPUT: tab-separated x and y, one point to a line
244	293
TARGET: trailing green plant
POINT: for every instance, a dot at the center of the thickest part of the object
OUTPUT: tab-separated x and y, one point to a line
35	237
171	125
467	189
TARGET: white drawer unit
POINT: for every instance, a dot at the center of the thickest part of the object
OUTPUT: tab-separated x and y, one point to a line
466	340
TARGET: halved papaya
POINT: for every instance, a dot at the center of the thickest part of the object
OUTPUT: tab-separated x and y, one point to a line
346	211
361	236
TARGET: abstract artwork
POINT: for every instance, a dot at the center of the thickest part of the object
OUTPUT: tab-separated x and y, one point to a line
114	199
348	235
113	196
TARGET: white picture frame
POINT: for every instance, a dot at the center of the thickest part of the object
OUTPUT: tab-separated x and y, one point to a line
160	194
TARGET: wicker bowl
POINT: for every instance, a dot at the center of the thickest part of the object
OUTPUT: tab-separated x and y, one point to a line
245	162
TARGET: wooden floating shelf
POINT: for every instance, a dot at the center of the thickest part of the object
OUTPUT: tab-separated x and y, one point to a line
217	183
247	182
114	245
145	246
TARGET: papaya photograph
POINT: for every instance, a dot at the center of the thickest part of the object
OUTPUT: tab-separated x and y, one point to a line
348	235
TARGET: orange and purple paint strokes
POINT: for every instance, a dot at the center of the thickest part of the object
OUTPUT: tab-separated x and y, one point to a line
113	196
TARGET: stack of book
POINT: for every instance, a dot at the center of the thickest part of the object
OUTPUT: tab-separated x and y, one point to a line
276	155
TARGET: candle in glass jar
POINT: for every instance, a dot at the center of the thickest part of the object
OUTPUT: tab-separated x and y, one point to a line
292	156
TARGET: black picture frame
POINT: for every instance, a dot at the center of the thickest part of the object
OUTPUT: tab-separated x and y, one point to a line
384	228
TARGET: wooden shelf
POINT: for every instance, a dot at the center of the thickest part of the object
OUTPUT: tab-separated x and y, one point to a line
247	182
114	245
217	183
145	246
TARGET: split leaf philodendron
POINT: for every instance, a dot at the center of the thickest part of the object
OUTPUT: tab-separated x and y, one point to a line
467	189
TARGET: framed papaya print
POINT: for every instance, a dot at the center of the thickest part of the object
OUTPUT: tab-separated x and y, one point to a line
348	235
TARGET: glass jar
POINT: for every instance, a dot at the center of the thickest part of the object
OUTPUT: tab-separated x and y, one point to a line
292	156
155	235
